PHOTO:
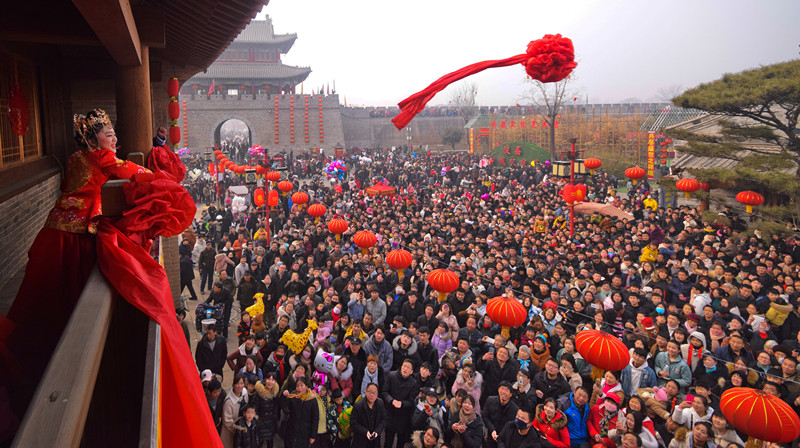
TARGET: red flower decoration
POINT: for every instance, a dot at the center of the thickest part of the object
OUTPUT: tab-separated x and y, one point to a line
550	59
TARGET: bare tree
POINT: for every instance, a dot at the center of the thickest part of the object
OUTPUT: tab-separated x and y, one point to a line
666	94
548	99
463	97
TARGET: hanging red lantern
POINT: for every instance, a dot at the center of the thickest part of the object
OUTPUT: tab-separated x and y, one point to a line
568	193
174	110
365	239
399	260
174	134
300	198
592	164
635	173
705	186
212	169
749	199
173	86
579	192
260	170
18	110
760	415
337	227
602	350
444	282
688	186
258	197
272	198
317	211
507	312
285	186
274	176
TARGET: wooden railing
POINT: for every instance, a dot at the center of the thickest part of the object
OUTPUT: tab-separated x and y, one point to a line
101	386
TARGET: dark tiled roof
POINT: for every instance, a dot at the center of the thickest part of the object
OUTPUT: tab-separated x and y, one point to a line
197	31
220	71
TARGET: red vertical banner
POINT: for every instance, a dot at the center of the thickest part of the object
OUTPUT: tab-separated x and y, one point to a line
651	155
471	141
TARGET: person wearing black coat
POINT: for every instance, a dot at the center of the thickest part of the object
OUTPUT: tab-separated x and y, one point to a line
550	382
246	290
495	368
266	402
513	437
187	274
247	434
303	423
498	411
400	395
219	295
210	358
368	420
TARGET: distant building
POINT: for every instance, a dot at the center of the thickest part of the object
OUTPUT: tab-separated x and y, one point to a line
252	64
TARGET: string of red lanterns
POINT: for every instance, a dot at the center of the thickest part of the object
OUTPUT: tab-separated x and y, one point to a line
173	109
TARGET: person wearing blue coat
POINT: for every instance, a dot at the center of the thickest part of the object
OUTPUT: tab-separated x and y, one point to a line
670	365
637	374
575	406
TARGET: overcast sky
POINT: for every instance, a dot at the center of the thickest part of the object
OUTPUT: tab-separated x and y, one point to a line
379	52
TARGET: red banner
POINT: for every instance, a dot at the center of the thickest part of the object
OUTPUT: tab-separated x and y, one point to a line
651	155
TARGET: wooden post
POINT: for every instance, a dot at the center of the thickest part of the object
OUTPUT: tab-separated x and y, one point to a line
134	107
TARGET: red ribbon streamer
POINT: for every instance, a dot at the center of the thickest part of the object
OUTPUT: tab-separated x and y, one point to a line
549	59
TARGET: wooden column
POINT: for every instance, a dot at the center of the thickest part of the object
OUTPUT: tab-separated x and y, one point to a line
134	107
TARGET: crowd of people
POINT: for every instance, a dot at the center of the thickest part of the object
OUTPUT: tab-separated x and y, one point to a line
702	305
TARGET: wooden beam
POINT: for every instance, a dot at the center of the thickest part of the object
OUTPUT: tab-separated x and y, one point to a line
58	411
112	21
151	25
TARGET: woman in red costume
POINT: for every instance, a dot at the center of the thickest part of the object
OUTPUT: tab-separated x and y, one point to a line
60	259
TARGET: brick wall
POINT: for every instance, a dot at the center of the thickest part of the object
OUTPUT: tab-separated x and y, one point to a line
348	126
23	216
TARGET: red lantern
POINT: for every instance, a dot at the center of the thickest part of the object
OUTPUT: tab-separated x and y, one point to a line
688	186
592	164
274	176
300	198
705	186
337	227
18	110
602	350
317	211
749	199
399	260
365	239
261	170
272	198
568	193
174	134
760	415
173	86
285	186
579	192
443	281
635	173
507	312
212	169
174	110
258	197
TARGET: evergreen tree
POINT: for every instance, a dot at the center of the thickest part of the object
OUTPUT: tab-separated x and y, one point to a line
758	129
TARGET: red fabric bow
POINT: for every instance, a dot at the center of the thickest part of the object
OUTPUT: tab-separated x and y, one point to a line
166	161
549	59
159	206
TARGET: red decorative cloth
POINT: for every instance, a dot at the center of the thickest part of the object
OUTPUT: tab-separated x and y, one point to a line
164	160
185	418
549	59
159	206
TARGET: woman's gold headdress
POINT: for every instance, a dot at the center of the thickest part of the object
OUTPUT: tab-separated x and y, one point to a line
86	127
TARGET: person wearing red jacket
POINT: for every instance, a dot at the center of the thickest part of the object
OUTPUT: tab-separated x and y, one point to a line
552	424
603	418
